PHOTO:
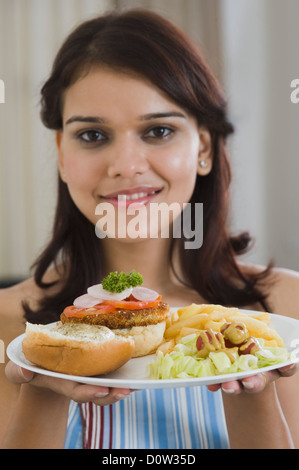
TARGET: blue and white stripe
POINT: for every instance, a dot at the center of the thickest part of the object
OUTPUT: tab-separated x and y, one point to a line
182	418
74	435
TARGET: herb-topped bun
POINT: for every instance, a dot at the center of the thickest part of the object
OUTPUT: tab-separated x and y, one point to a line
123	305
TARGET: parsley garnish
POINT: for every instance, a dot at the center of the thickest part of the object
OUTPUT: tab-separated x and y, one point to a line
115	282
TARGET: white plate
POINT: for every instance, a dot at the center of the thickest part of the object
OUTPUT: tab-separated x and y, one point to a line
134	374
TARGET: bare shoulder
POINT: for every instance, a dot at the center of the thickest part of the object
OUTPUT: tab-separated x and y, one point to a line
284	297
12	321
282	286
12	299
284	292
12	324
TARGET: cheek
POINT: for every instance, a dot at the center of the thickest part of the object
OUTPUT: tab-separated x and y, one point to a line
81	172
182	166
179	168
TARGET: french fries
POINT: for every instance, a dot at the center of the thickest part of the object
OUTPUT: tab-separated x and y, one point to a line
194	318
197	321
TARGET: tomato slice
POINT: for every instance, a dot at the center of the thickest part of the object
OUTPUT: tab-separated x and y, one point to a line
108	306
133	304
73	311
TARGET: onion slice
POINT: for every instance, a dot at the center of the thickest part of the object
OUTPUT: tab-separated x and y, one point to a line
86	301
96	295
144	294
98	292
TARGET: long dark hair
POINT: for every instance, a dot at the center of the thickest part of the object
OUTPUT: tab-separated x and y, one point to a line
149	45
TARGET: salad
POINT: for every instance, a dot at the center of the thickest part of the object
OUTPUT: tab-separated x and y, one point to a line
183	361
209	353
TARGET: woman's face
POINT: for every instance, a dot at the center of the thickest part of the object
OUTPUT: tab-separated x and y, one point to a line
126	143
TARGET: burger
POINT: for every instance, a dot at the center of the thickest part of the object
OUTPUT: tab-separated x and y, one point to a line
114	321
124	306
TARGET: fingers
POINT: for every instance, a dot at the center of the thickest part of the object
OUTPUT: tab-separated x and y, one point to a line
100	396
112	396
80	393
232	388
288	371
255	383
18	375
214	387
235	387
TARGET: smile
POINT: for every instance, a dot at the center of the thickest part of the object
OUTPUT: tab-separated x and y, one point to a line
132	197
141	195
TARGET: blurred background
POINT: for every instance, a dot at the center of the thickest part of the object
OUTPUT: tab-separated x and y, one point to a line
252	46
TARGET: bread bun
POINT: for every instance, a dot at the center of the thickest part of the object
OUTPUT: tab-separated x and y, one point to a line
76	349
146	338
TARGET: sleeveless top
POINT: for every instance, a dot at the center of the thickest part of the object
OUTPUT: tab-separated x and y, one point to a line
173	418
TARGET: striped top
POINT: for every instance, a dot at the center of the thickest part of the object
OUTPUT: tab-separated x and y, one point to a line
182	418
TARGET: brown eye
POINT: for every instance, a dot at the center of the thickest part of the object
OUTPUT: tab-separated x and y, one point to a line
91	136
159	132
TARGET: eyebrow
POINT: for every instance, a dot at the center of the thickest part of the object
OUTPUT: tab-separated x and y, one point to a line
146	117
93	119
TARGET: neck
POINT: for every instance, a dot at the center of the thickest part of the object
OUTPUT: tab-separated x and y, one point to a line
149	257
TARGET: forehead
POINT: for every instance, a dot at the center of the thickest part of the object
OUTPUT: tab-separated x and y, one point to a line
107	90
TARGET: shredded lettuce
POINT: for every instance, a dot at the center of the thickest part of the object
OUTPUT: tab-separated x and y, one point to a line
184	363
176	365
271	356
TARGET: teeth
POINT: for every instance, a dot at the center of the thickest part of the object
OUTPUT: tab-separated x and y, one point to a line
131	197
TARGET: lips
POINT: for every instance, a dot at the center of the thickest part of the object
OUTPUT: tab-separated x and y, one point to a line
137	195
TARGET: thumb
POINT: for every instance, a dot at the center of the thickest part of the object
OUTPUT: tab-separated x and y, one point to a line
17	374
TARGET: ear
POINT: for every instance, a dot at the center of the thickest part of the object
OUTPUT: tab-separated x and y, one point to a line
205	154
58	139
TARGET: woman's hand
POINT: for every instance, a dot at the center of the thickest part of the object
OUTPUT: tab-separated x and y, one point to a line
75	391
254	383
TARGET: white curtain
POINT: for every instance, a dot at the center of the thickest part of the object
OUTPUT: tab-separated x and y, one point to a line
31	32
261	55
251	46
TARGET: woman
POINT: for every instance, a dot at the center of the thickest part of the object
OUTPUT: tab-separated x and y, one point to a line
137	112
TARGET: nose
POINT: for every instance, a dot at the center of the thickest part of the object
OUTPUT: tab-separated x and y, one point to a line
127	159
